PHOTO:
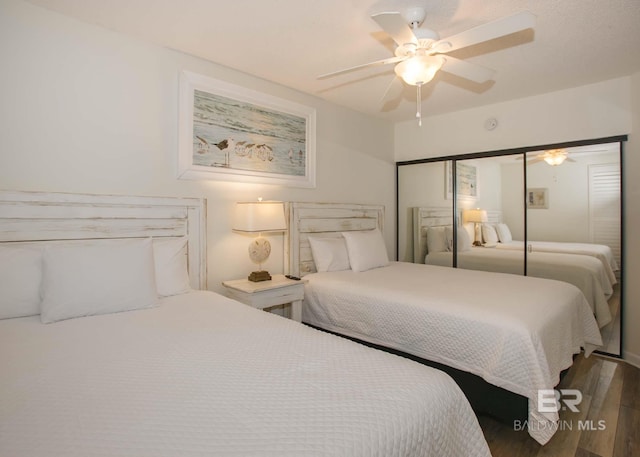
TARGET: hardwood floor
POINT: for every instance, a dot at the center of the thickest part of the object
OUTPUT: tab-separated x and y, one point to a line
610	409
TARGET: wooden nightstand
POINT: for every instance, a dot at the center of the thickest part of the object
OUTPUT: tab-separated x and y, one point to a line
264	294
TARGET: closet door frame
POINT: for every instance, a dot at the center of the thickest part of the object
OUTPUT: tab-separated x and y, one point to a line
621	139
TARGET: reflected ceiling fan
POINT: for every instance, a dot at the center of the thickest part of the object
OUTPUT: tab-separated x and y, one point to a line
421	52
553	157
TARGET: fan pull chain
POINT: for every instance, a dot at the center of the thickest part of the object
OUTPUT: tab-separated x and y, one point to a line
419	106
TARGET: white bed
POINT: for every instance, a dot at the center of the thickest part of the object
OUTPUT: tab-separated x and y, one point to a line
196	373
423	217
584	272
592	276
515	332
599	251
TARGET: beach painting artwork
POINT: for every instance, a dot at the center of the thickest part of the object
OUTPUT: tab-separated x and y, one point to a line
234	133
466	180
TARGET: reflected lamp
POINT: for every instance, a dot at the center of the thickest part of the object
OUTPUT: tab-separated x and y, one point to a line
477	216
554	157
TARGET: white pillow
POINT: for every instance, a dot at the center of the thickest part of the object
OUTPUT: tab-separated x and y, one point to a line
329	254
504	234
464	242
436	240
20	277
99	277
489	234
366	250
170	259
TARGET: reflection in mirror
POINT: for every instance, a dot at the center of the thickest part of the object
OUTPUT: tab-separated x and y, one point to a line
556	215
573	217
422	185
489	199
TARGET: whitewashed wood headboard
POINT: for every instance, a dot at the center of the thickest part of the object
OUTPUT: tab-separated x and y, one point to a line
425	217
49	217
323	219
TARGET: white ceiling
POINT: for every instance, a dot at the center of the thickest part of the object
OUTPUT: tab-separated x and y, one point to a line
291	42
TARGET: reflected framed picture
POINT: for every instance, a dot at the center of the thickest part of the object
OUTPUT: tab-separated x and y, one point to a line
467	180
538	198
233	133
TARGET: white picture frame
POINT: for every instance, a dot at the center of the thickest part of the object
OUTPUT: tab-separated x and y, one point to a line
537	198
467	181
232	133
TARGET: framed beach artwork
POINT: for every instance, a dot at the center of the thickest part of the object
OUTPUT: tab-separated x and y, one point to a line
232	133
538	198
467	180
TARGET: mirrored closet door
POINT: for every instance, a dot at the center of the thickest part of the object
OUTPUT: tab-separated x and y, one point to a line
573	200
551	211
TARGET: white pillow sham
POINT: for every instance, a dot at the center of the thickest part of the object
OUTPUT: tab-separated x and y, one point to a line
464	241
489	234
436	240
504	234
20	277
170	260
98	277
366	250
329	254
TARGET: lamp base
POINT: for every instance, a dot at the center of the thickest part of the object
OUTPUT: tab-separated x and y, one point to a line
257	276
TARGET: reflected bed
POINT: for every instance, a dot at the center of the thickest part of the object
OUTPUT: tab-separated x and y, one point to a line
584	272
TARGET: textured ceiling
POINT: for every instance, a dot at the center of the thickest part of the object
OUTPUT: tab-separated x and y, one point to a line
291	42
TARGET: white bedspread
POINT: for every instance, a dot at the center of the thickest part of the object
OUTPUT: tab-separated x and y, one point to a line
516	332
202	375
599	251
584	272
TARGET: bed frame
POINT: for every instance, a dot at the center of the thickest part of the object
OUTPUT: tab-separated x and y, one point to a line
45	217
323	219
329	220
425	217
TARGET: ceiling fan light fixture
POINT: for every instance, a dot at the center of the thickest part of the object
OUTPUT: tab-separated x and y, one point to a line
419	70
554	157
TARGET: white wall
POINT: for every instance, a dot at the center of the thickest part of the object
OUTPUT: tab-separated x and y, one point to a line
598	110
567	215
83	109
593	111
631	223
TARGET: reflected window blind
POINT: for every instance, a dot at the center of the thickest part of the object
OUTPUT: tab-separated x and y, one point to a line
604	206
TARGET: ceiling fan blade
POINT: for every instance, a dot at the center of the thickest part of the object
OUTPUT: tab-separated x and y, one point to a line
396	26
467	70
393	90
364	65
488	31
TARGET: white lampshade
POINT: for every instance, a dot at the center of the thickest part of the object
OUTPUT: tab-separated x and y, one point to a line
419	70
475	215
259	217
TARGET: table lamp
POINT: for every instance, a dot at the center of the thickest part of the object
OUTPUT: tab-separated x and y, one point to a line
259	217
477	216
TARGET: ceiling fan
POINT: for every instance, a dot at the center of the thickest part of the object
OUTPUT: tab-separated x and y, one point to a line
553	157
420	51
